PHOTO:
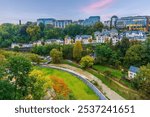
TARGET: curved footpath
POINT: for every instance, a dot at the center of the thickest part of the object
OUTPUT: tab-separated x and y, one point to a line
86	77
83	78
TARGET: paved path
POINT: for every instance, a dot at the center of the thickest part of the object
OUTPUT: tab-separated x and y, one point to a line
81	77
112	95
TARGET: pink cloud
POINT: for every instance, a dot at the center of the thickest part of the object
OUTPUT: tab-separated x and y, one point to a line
100	5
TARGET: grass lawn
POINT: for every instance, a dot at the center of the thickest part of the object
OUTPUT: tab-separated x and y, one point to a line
115	73
80	90
127	94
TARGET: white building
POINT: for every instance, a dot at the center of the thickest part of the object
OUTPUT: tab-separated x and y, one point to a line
85	39
54	41
19	45
135	35
132	72
107	23
107	36
38	43
68	40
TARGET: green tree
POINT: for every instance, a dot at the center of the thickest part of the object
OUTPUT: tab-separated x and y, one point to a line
7	90
56	56
77	51
123	46
19	68
142	81
98	26
34	32
135	55
103	54
2	65
87	62
67	51
147	50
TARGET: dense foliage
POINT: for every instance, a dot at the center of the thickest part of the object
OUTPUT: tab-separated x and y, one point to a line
29	32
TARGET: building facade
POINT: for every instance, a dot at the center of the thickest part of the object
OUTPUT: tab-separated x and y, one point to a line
141	23
91	20
132	72
85	39
113	21
63	23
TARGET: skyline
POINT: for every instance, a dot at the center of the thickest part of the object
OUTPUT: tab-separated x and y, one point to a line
30	10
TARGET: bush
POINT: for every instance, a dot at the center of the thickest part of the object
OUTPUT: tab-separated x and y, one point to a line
87	62
56	56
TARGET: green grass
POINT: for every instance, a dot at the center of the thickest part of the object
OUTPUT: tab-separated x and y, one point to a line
115	73
80	90
127	94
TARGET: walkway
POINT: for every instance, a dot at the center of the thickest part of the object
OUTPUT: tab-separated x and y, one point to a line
89	77
83	78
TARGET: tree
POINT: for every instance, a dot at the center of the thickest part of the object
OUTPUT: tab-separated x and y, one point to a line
67	51
56	56
61	89
7	90
87	62
142	81
98	26
34	32
147	50
135	55
103	54
123	46
2	65
77	51
18	71
38	84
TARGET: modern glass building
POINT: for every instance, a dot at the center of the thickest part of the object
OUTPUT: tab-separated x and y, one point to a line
46	21
91	20
62	23
54	22
134	23
113	21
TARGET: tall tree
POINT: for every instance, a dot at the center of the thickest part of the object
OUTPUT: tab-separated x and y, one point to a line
19	68
142	81
135	55
77	51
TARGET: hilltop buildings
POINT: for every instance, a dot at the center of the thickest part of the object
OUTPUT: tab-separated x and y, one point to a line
63	23
141	23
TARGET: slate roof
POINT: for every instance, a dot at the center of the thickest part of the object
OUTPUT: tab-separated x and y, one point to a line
134	69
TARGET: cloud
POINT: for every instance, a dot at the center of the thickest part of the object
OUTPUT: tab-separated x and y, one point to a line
97	6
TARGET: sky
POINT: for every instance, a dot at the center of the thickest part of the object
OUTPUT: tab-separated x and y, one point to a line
11	11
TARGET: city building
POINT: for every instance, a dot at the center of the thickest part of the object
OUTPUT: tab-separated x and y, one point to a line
68	40
79	22
113	21
107	23
62	23
54	41
85	39
19	45
141	23
46	21
91	20
134	35
107	35
132	72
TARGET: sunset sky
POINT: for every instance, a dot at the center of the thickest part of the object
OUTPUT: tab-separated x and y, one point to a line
29	10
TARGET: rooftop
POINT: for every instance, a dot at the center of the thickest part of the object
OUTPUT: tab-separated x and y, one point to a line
133	69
